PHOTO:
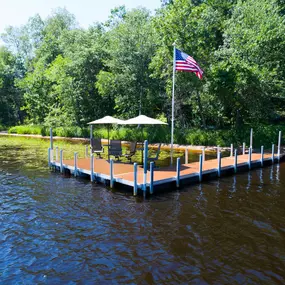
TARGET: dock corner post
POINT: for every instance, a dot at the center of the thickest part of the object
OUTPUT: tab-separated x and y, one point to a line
218	150
251	138
75	164
279	145
151	178
272	155
186	155
261	155
249	157
232	150
203	153
235	161
219	163
145	160
49	159
51	138
135	179
200	167
243	148
61	160
92	167
178	172
111	173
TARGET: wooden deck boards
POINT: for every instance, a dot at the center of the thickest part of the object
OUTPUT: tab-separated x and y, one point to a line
124	173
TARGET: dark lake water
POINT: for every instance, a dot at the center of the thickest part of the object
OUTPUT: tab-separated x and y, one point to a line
58	230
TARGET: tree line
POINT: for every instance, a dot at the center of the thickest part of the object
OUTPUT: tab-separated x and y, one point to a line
54	73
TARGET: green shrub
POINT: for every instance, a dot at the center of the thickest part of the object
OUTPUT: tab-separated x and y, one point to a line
25	129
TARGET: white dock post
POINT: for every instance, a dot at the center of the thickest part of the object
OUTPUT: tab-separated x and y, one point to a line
243	148
135	179
49	156
232	150
218	150
261	156
151	178
200	167
249	157
219	163
61	160
51	138
111	173
75	164
279	145
92	167
251	138
178	172
86	151
145	164
272	156
203	153
235	161
56	154
186	155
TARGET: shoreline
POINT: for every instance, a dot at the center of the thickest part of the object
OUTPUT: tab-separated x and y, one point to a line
164	146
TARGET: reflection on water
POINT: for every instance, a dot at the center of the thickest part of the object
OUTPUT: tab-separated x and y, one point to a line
56	230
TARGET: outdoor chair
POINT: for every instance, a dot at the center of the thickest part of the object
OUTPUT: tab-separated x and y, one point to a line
133	149
155	158
115	148
96	146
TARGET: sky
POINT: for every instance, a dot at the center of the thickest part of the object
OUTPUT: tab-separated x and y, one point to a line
17	12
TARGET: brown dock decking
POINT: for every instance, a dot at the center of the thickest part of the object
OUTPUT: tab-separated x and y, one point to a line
124	173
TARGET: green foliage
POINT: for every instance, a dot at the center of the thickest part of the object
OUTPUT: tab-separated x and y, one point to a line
26	129
55	74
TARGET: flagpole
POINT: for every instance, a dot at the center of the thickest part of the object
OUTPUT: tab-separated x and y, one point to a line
172	110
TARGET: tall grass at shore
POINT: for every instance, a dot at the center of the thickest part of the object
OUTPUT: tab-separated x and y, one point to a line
263	134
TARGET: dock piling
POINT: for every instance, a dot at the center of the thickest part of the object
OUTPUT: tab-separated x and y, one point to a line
272	155
279	145
178	172
249	157
135	179
200	167
251	138
49	149
243	148
235	161
232	150
111	173
56	154
75	164
145	164
92	167
61	160
261	155
203	153
219	164
151	178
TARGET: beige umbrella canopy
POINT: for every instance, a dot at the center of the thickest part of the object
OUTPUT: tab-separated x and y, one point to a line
107	120
142	120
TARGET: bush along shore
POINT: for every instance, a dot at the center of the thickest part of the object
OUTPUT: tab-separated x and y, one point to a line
264	135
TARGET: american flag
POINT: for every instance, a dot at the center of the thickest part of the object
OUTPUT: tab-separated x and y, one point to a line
185	62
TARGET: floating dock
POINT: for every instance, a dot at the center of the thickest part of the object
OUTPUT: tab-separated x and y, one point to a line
148	179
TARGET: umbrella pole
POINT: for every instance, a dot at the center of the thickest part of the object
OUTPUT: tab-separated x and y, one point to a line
108	142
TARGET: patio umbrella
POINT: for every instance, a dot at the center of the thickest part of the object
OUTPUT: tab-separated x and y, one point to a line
142	120
107	120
